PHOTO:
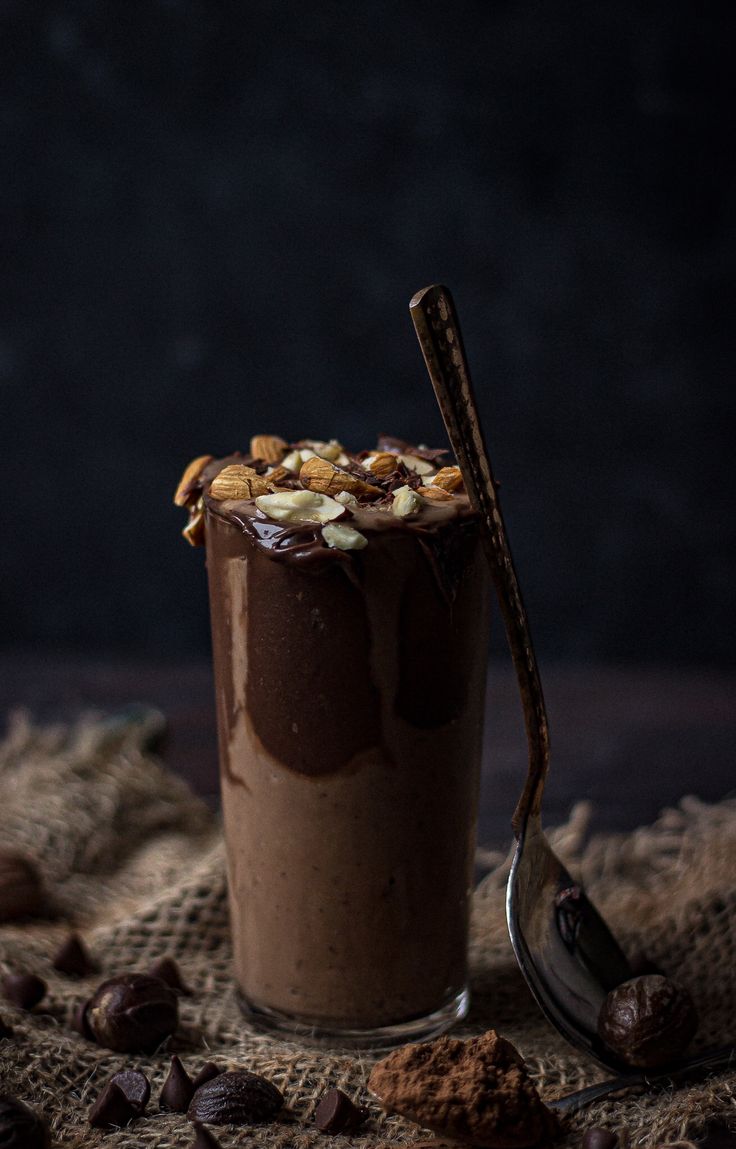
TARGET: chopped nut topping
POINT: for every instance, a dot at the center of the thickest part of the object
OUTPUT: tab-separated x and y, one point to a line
319	475
419	466
270	448
191	474
382	464
332	451
237	482
346	498
276	475
294	459
300	507
343	537
406	502
449	479
436	494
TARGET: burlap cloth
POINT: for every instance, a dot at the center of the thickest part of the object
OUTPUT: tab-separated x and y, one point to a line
136	862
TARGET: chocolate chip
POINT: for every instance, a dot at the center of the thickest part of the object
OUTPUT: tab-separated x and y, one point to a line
206	1073
21	888
236	1098
203	1139
21	1127
135	1086
72	958
178	1088
5	1030
131	1012
167	969
24	989
599	1138
337	1114
111	1109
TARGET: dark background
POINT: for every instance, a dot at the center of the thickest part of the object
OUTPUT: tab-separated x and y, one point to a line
214	215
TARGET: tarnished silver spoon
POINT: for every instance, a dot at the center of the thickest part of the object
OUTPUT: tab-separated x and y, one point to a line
566	952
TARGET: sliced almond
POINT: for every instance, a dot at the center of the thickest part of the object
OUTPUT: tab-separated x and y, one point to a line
300	507
449	479
238	482
194	530
417	465
382	464
436	494
270	448
319	475
406	502
191	474
344	538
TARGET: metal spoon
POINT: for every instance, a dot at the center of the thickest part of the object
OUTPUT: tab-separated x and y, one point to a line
566	952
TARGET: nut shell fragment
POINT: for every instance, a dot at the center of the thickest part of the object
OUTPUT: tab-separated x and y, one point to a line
238	482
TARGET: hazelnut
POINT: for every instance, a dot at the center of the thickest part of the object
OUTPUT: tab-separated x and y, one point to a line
131	1012
648	1021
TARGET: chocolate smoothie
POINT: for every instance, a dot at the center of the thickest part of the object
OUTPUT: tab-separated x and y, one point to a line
349	600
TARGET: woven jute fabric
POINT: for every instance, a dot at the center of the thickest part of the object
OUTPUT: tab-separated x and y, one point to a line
136	863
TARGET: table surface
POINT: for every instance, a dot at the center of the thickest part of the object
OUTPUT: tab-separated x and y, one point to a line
632	741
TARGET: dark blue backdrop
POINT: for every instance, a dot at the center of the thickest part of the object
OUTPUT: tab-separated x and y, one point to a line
214	214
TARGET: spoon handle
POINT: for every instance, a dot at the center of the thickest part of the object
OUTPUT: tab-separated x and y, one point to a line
712	1059
438	330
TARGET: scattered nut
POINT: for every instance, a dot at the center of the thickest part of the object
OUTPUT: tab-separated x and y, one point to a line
382	464
343	538
276	475
648	1021
21	889
299	507
72	958
319	475
236	1098
346	498
436	494
406	502
237	482
294	459
20	1126
270	448
332	451
189	478
448	478
24	990
131	1012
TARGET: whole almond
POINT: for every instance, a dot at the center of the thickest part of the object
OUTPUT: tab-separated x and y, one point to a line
437	494
191	474
381	464
449	478
318	475
270	448
238	482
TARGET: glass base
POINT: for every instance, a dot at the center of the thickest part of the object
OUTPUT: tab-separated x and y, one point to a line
283	1025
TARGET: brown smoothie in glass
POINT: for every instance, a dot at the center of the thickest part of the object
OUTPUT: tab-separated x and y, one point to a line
350	672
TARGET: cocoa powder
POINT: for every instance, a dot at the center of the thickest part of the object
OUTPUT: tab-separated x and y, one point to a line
476	1090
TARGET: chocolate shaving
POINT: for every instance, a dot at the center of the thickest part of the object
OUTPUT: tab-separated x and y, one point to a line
396	446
